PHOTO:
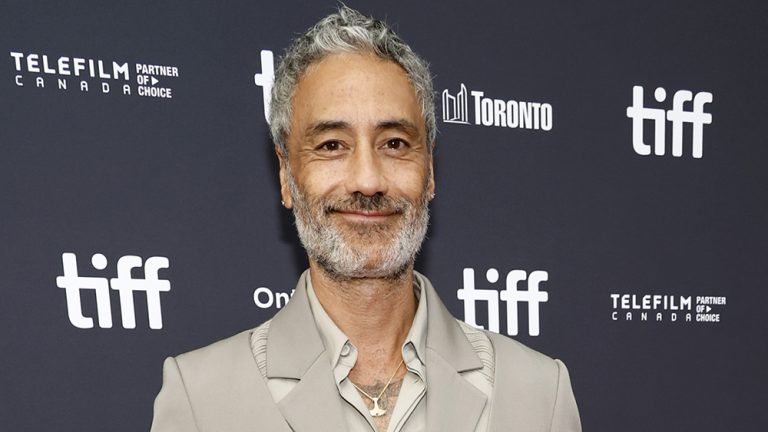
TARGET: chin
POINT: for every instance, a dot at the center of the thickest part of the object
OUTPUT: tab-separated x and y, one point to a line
371	270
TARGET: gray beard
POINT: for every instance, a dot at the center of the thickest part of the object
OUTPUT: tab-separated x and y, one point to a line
388	258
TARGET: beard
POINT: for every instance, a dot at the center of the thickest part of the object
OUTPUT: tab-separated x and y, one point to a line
349	250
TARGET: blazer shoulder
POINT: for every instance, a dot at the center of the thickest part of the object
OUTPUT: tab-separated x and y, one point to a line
224	387
510	350
522	366
537	385
218	355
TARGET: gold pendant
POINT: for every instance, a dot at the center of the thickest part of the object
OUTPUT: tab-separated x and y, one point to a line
376	411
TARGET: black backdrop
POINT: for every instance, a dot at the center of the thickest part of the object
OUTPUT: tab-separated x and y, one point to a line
192	178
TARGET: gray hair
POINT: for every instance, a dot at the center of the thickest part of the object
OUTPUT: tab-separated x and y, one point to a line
347	30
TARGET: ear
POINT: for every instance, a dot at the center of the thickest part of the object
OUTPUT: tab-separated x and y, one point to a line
431	184
285	191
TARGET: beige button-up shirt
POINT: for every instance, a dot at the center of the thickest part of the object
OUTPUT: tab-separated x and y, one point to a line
408	413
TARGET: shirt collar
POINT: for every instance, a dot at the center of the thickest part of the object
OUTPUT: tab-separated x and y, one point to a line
335	340
417	335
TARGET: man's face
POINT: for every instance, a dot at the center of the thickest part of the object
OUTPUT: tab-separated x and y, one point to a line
358	172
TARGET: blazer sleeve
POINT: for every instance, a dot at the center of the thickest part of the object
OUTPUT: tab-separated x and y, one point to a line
565	416
173	411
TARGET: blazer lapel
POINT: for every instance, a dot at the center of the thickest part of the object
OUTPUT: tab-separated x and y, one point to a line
312	404
453	404
296	351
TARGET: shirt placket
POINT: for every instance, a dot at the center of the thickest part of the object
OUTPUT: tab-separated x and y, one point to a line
346	361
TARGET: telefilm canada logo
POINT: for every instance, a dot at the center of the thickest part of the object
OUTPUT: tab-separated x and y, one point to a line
667	308
492	112
89	75
512	295
678	116
125	284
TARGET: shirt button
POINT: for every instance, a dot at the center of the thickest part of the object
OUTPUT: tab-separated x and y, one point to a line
345	350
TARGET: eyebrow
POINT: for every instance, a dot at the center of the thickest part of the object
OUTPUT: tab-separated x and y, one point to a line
326	125
402	125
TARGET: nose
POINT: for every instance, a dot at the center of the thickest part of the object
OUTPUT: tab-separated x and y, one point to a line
366	172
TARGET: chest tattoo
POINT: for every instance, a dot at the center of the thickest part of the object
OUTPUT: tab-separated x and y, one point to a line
386	402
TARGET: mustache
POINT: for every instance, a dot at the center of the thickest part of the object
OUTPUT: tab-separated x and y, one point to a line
359	202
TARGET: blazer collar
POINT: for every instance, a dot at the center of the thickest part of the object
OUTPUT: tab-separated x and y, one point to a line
295	351
444	336
453	404
294	343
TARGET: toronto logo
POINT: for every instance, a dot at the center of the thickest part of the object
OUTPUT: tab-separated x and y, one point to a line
494	112
455	107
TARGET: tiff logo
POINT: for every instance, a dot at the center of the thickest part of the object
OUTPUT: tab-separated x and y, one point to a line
124	283
511	295
266	79
677	115
455	107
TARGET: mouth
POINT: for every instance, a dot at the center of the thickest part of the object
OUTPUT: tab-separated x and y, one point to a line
366	215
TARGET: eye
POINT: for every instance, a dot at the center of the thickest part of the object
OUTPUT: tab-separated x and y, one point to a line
396	144
330	146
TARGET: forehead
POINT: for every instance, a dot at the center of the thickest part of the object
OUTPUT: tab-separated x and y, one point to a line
355	88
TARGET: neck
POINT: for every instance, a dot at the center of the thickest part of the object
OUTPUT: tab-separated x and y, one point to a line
375	314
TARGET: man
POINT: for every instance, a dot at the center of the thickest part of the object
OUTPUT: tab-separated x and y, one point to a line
365	344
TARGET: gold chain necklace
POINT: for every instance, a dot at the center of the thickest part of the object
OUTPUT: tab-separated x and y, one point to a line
377	411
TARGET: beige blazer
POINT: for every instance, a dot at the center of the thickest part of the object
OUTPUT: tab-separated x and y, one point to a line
219	387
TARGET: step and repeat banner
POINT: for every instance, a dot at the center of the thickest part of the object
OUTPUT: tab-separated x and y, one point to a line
602	196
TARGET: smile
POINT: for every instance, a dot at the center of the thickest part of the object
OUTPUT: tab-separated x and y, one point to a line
365	215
